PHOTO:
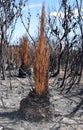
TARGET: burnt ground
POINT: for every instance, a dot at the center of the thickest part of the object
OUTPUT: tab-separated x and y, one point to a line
22	109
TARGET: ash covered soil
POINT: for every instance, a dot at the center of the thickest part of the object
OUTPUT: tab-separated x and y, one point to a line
61	105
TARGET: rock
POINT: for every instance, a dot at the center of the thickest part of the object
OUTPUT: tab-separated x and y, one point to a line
66	128
69	121
56	97
55	127
80	127
1	128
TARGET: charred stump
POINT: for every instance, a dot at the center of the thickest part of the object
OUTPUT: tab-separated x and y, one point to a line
35	107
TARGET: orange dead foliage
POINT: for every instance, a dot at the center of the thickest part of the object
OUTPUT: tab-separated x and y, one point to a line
41	60
24	51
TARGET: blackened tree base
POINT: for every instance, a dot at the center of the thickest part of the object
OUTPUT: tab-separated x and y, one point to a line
24	71
35	108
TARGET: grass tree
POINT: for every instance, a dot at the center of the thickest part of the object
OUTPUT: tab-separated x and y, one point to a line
24	68
41	60
24	51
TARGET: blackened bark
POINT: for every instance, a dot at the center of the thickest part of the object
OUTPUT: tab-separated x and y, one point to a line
2	52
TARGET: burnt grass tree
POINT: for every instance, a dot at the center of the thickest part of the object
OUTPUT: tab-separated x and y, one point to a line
13	52
36	105
24	69
17	57
41	61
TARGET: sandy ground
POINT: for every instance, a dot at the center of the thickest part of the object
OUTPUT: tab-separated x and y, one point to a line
61	106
